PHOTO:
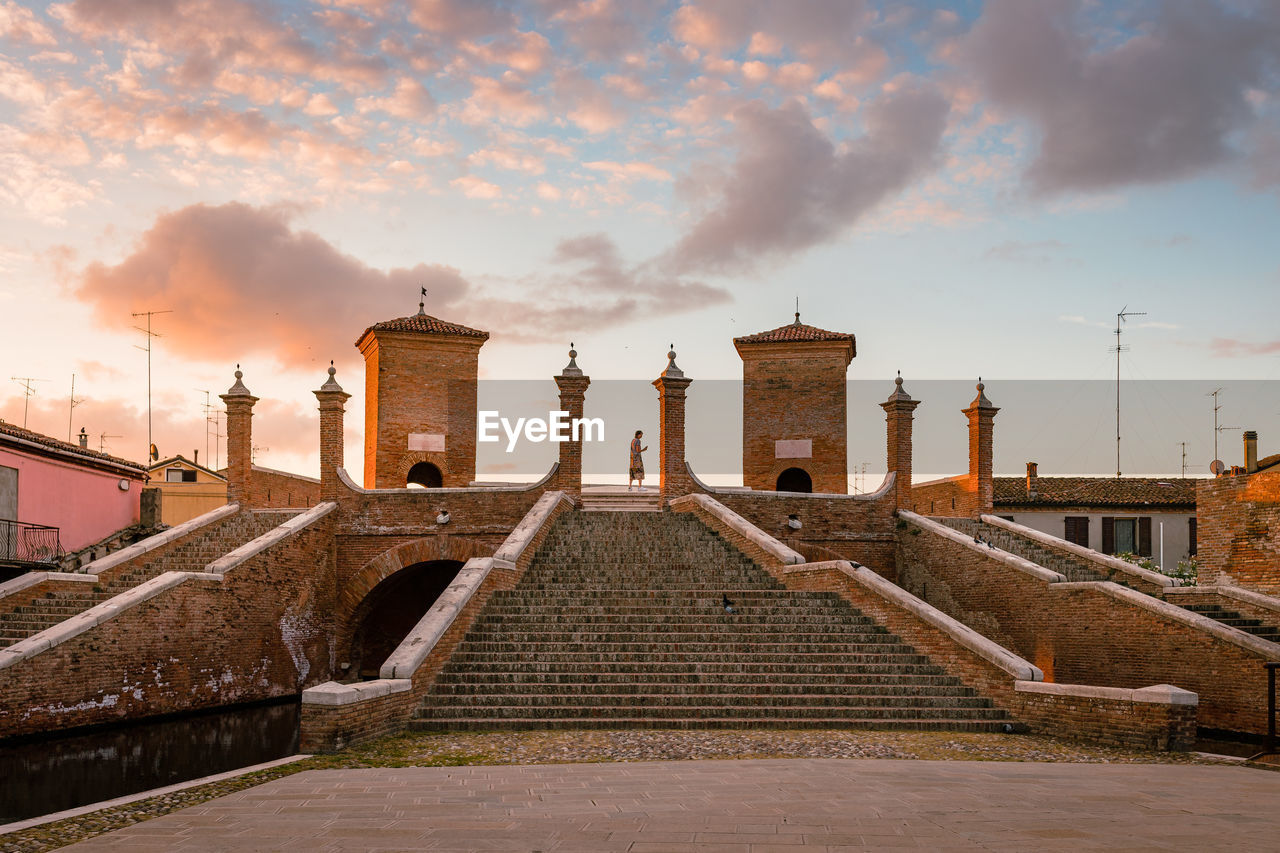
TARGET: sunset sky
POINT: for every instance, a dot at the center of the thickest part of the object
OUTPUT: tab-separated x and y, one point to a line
970	188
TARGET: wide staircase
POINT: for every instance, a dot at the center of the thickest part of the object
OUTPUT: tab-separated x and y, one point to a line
1076	569
620	622
200	549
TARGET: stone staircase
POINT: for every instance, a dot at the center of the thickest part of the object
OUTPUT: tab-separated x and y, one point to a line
618	499
193	555
1076	569
619	623
1218	613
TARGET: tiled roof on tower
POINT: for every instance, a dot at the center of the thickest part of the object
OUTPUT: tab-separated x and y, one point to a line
424	323
796	332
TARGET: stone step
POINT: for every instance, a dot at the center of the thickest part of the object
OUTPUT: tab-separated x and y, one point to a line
634	677
649	500
745	658
954	724
714	621
586	690
841	667
886	644
706	708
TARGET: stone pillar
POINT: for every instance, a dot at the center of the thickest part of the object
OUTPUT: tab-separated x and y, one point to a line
239	403
333	402
674	476
898	411
981	486
573	391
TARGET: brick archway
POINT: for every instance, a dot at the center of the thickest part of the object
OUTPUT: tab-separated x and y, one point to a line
386	564
413	457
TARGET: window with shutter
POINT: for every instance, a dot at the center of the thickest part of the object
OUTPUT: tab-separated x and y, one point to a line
1076	529
1108	535
1144	537
1191	536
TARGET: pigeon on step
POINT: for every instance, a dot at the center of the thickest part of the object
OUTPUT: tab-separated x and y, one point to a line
728	605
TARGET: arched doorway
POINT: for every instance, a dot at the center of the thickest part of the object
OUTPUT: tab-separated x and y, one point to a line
426	475
795	480
391	609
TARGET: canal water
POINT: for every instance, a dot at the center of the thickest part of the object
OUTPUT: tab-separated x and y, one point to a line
43	776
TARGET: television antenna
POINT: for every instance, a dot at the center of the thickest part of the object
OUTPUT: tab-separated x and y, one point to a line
150	334
1183	444
208	407
102	442
253	452
218	435
28	390
1217	430
72	408
1123	315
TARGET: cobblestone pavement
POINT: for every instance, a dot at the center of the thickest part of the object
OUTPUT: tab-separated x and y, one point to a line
751	806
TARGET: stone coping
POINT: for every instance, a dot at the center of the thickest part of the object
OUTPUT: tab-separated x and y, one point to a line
111	608
254	547
1165	610
396	673
739	525
1248	596
30	579
345	479
962	634
333	693
151	543
1157	694
1154	578
880	492
1011	560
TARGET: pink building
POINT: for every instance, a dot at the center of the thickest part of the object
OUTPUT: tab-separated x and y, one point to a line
85	494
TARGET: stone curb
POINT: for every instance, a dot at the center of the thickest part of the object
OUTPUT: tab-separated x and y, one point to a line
1159	694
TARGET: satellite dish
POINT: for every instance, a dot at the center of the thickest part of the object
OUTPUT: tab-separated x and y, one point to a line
1217	467
155	454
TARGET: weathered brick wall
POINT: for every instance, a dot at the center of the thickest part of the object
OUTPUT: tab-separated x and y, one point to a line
1078	633
950	498
279	489
1110	722
263	631
795	391
860	529
1238	530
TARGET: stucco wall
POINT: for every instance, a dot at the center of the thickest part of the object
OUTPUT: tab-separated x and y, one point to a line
86	505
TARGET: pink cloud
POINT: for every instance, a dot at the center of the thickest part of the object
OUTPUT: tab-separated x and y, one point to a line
1233	348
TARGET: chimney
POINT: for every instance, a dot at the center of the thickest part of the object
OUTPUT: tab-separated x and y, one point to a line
1250	451
195	456
1032	474
84	439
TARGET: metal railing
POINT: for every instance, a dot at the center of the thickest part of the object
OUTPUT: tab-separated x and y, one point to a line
1269	745
24	542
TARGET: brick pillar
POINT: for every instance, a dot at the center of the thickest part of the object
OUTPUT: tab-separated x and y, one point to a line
239	403
573	391
672	384
898	411
981	486
333	401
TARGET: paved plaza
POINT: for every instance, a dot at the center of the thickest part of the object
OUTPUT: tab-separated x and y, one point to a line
752	806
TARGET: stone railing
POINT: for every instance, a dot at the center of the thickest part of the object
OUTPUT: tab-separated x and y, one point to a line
335	715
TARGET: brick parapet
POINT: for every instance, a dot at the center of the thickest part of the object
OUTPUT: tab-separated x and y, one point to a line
182	641
1096	633
1159	718
1238	530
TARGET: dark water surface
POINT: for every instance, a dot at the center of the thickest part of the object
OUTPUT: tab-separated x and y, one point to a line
45	776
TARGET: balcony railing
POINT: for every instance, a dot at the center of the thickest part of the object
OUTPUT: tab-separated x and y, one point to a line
24	542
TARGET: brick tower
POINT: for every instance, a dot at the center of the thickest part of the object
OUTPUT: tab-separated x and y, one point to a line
794	421
420	402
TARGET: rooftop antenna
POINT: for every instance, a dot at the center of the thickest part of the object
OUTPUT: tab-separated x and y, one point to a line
1123	314
1217	430
102	442
797	310
253	452
72	408
218	435
28	389
1184	457
422	303
208	406
150	334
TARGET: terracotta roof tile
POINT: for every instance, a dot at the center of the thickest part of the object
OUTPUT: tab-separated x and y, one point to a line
63	446
1096	491
792	332
426	324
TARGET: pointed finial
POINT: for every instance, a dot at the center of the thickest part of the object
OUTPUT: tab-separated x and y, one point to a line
331	385
898	381
797	311
238	389
572	369
899	393
672	369
422	304
981	400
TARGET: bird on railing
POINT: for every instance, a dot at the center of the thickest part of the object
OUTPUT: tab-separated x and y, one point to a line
728	605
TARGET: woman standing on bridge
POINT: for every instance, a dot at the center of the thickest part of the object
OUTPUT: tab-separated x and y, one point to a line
636	471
